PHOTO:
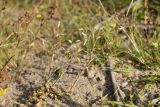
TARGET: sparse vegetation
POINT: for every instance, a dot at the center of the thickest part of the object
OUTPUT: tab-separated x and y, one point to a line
83	32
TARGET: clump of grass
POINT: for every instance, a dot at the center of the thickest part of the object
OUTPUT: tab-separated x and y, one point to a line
107	40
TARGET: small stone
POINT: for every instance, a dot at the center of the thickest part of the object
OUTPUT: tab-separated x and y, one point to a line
92	72
155	101
124	84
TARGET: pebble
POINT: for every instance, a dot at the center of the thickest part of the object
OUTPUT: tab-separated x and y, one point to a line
123	84
155	101
92	72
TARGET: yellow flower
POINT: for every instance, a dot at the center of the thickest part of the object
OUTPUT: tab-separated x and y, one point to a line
39	16
3	91
113	25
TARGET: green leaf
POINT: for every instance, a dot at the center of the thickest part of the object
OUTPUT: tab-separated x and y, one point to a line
137	6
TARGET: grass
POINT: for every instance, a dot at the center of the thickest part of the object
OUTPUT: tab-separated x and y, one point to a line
77	22
46	25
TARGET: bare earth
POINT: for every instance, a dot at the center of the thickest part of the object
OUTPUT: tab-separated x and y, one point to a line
47	80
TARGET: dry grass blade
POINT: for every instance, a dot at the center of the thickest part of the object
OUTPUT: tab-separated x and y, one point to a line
6	63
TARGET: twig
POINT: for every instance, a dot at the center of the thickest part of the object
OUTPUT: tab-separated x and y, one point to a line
75	81
129	8
118	96
77	78
6	64
136	99
113	81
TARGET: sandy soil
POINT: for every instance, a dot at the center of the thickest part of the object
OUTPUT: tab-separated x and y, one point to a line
51	80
